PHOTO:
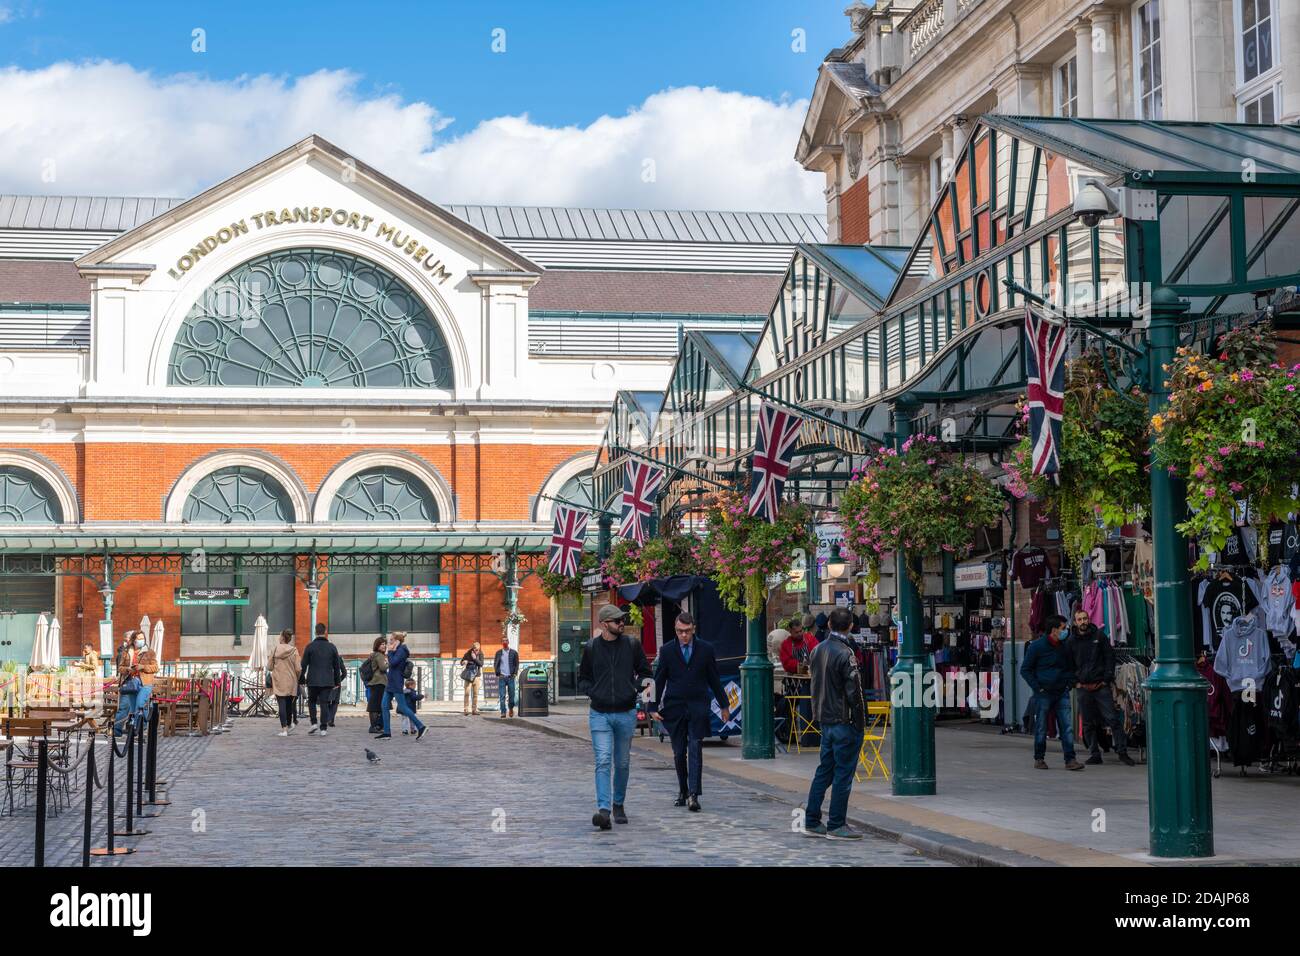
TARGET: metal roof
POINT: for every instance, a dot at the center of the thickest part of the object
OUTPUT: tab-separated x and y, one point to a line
1147	147
120	213
851	78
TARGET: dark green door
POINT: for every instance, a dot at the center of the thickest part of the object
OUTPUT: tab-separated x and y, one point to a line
572	631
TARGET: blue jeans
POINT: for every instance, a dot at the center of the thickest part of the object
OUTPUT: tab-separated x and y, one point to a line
505	684
611	739
841	744
1045	704
403	708
128	705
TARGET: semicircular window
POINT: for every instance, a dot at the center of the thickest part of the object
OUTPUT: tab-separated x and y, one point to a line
310	318
383	494
577	490
238	495
27	498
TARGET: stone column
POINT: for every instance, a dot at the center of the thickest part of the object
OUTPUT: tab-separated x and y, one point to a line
949	152
1083	63
1105	88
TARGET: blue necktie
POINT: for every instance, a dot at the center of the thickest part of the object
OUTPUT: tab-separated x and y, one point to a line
686	652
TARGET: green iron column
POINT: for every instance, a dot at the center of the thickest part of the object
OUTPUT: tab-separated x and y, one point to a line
756	732
1178	772
913	722
605	530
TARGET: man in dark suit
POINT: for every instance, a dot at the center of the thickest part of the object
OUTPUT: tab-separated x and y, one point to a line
690	670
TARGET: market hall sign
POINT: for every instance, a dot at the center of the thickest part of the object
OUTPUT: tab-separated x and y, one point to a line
190	597
384	233
413	594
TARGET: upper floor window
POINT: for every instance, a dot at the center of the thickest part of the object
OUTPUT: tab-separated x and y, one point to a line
310	318
1149	85
1256	38
1065	83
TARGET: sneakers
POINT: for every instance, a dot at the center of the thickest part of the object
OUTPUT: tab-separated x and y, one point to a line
1042	765
1126	760
619	815
601	819
384	737
283	733
842	833
406	733
420	736
1074	765
1094	760
324	733
313	730
816	830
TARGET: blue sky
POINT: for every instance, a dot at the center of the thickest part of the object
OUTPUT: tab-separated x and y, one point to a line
585	93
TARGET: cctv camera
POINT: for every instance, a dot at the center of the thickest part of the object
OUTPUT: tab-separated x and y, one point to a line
1094	203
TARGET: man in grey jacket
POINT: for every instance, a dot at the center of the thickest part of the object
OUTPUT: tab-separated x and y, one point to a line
839	706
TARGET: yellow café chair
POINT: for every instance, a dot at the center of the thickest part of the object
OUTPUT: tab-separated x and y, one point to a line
871	757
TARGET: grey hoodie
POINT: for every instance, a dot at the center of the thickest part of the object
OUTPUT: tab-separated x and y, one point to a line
1243	654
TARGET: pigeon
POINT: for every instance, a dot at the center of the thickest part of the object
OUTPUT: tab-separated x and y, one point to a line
371	755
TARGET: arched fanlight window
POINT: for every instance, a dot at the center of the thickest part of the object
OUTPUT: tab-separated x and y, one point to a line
577	490
26	498
310	318
383	494
238	495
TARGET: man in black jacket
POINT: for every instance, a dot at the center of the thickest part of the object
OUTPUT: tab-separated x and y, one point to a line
505	664
839	705
612	669
686	677
323	673
1094	669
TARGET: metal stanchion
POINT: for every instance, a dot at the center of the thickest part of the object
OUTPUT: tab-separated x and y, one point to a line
42	784
112	849
139	765
129	829
92	781
151	765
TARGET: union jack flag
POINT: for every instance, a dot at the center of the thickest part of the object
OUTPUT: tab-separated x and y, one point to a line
567	539
1045	371
778	432
640	485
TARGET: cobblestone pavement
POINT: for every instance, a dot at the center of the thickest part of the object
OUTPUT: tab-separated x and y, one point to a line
260	799
64	833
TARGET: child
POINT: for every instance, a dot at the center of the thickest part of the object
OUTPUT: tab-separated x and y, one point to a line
412	701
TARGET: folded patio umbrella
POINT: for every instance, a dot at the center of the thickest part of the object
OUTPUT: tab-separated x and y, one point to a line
156	641
257	660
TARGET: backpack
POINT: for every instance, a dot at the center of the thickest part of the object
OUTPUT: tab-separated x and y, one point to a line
367	670
408	671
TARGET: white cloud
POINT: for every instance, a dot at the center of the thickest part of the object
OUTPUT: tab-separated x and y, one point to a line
109	129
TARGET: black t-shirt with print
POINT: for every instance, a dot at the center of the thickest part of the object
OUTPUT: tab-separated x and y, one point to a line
1226	601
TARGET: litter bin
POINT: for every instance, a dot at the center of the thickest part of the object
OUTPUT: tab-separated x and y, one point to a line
534	699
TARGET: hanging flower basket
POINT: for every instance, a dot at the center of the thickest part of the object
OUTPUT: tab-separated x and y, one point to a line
515	618
560	585
671	553
1104	481
740	552
921	499
1232	432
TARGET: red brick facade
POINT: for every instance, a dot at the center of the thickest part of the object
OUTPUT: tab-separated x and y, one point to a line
125	482
855	213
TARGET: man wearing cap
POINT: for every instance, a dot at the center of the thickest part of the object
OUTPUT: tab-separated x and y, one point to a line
612	672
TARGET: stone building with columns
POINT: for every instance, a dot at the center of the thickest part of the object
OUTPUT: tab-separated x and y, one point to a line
313	383
892	108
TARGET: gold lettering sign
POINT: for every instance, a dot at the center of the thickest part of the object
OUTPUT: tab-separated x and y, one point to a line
404	241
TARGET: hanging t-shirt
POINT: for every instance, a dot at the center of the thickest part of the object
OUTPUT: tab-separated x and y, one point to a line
1144	568
1236	552
1227	600
1278	601
1276	543
1029	567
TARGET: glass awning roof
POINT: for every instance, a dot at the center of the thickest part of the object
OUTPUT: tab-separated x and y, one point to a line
1143	146
268	543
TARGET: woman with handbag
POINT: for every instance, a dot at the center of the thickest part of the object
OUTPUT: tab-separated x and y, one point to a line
375	683
283	675
136	667
471	674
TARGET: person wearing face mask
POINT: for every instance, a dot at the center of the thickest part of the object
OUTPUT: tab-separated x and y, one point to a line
611	674
136	667
1094	669
1048	668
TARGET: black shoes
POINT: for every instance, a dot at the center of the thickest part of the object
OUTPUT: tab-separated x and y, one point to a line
680	801
693	803
1126	760
601	819
1094	760
420	735
619	815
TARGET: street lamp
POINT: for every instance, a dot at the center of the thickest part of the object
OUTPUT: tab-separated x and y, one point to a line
836	566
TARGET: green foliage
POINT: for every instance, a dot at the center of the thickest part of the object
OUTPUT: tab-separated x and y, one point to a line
1231	431
740	552
559	585
921	499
